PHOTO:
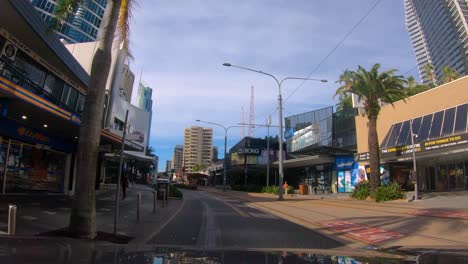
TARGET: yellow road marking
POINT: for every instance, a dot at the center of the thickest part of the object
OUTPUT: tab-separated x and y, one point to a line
239	211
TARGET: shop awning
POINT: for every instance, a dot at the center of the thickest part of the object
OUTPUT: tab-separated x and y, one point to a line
138	155
133	155
306	161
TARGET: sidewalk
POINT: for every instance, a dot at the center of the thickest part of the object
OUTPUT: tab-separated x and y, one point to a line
44	213
439	222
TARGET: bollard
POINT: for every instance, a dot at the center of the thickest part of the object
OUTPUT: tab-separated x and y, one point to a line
138	206
12	219
155	199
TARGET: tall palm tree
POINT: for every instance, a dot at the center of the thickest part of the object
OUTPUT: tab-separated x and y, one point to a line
117	16
429	70
374	88
414	87
449	75
150	151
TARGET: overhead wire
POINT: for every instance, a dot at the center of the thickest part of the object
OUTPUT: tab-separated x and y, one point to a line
376	3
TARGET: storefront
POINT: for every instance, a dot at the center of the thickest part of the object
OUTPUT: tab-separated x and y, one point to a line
436	133
31	160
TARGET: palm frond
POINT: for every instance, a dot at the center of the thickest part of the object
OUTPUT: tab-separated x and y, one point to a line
123	25
63	12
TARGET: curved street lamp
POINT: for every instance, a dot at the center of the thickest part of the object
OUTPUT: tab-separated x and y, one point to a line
225	147
280	115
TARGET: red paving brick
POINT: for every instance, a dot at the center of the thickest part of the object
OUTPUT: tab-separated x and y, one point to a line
440	213
371	235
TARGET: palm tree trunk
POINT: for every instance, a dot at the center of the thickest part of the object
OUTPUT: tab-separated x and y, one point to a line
374	154
83	213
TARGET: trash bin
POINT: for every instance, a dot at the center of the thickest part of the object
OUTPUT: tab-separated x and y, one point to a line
303	189
162	186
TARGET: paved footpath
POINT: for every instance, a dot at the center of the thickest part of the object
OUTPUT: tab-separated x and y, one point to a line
400	225
39	214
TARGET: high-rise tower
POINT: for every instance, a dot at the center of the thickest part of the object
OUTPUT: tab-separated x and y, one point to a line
438	30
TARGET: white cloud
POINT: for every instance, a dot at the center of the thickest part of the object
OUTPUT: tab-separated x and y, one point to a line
182	43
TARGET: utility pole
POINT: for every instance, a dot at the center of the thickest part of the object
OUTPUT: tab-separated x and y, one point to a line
119	177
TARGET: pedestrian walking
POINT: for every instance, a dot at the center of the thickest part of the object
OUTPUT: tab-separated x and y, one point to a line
124	183
285	187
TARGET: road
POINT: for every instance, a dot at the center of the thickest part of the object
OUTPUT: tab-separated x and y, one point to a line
209	220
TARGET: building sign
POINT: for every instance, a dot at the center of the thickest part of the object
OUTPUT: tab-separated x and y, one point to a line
31	135
425	146
361	156
401	150
344	163
248	151
446	142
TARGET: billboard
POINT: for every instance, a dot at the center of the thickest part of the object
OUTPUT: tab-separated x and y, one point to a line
138	120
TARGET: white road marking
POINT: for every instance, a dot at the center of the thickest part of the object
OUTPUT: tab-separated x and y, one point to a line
49	212
262	215
105	209
28	217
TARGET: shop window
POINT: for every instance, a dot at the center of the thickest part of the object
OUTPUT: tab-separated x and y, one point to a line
30	69
66	92
449	119
118	124
80	104
461	119
424	129
72	98
54	86
436	125
404	133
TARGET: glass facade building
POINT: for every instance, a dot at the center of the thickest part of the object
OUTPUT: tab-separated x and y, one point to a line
84	24
438	30
312	128
320	147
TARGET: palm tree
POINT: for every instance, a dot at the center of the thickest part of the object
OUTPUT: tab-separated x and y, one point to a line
414	87
374	88
429	69
449	75
83	213
150	151
345	102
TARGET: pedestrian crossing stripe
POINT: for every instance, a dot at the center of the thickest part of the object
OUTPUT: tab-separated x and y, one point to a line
263	215
369	234
440	213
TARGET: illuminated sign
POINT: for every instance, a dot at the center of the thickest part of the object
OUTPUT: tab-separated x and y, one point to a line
425	146
35	136
248	151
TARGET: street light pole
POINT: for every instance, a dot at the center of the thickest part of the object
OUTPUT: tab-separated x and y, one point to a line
415	175
225	147
268	150
280	117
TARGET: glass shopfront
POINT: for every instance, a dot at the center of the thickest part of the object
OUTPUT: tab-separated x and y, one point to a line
25	167
443	173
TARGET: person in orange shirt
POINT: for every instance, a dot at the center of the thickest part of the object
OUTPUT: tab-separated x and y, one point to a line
285	187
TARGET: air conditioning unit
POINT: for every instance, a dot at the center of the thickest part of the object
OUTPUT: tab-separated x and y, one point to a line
9	51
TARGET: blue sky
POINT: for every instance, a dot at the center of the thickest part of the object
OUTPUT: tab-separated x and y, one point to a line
181	45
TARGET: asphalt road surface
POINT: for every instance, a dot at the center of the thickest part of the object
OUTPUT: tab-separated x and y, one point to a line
209	220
